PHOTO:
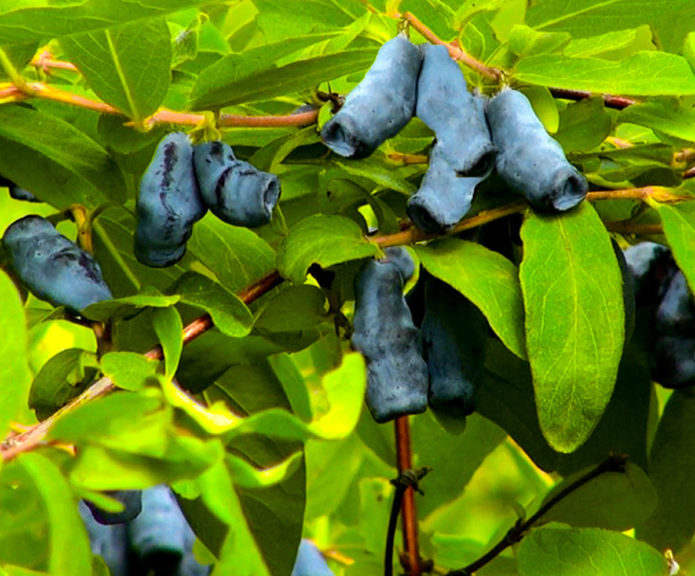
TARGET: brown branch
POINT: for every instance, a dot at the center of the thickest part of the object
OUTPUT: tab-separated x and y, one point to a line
33	437
617	102
408	512
614	463
12	93
626	227
456	52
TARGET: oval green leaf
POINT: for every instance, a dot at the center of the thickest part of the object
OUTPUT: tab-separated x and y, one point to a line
572	289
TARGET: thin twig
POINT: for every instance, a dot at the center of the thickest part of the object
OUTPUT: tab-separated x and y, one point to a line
614	463
404	458
11	93
33	437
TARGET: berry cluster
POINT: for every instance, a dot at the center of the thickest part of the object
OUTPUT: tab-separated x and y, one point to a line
426	350
182	182
473	135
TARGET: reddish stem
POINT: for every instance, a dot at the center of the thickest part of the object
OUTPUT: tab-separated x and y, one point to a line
408	511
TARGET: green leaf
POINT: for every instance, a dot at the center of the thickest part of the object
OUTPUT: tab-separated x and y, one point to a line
375	172
228	312
506	398
487	279
583	125
666	115
127	66
286	79
564	551
247	476
679	227
647	73
128	370
616	44
14	365
573	298
292	309
613	500
169	328
479	439
234	68
55	21
69	545
237	256
524	40
128	305
544	105
60	164
324	240
58	380
672	463
671	21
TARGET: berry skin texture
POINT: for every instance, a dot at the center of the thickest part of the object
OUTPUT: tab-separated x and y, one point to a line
310	561
52	267
158	534
169	203
528	159
235	191
454	334
380	105
453	113
132	506
402	259
675	315
383	331
443	198
673	364
109	542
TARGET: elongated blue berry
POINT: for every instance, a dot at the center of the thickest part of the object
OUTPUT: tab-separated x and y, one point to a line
52	267
168	204
383	331
380	105
528	159
310	561
454	334
454	114
443	198
234	190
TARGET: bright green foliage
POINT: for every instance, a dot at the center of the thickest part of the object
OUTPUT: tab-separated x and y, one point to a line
574	321
259	423
567	551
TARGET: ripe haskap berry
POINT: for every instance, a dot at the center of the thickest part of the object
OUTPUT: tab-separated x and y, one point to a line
132	505
380	105
235	191
444	197
383	331
454	334
109	542
454	114
52	267
17	192
310	561
169	203
402	259
158	534
528	159
675	315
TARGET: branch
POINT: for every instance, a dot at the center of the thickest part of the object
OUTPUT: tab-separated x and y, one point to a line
408	512
33	436
411	234
495	74
10	92
614	463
